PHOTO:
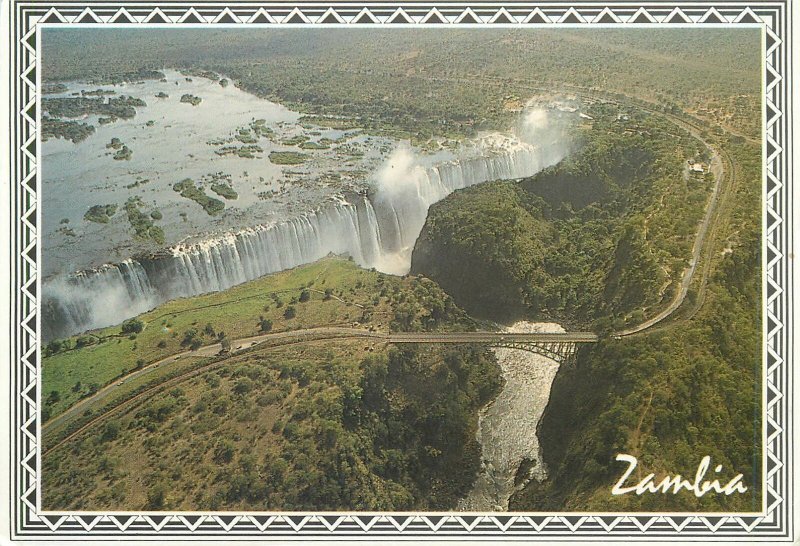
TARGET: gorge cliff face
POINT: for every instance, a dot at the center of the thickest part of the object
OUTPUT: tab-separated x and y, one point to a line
588	243
557	246
377	227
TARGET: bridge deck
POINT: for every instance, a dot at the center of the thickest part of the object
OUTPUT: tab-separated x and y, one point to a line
491	337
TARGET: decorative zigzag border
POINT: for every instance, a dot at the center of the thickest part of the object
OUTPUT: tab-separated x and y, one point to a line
775	19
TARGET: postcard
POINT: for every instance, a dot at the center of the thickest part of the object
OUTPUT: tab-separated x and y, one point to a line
417	271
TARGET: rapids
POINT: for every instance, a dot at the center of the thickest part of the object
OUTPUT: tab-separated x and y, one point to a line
507	426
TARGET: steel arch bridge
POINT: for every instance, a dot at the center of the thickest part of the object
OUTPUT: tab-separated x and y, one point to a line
560	347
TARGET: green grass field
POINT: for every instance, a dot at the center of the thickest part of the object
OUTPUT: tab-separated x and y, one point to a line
318	423
236	312
330	292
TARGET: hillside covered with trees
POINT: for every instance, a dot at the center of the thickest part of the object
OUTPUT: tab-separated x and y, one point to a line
342	425
580	243
599	240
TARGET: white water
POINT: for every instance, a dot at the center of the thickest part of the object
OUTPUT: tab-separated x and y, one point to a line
507	426
378	231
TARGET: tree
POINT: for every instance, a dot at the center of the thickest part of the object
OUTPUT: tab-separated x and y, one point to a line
243	386
305	295
132	326
290	312
223	453
84	341
156	496
265	324
226	345
189	336
53	397
110	432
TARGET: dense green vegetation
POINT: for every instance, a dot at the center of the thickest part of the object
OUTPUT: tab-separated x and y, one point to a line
187	189
345	425
100	214
324	428
123	154
287	158
601	239
99	93
598	242
671	396
142	223
53	88
248	151
56	108
72	107
191	99
310	145
117	76
76	131
224	190
425	82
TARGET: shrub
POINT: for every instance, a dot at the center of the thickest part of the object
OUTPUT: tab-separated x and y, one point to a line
84	341
223	453
110	432
157	496
243	386
290	312
132	326
54	347
53	397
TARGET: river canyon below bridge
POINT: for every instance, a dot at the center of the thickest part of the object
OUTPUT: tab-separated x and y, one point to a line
507	425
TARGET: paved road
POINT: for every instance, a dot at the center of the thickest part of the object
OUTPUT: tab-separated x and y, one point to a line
208	351
491	337
717	169
455	337
315	334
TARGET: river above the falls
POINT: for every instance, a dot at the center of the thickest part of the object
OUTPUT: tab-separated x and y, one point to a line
170	141
507	426
352	194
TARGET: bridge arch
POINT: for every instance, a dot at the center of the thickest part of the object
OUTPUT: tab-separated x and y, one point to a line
559	352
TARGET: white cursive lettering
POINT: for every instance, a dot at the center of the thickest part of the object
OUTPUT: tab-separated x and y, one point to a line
676	483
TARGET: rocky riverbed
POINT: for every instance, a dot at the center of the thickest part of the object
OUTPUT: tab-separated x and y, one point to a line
507	426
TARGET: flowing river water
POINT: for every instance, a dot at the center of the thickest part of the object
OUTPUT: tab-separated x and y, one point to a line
507	426
94	276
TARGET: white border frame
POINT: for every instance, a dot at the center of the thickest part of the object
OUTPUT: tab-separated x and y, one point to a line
774	522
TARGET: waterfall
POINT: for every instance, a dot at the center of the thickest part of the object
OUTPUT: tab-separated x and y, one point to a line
378	230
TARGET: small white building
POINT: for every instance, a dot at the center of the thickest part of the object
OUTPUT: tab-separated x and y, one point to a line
697	168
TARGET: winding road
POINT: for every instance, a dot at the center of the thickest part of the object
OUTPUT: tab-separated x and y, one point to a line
280	339
717	169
